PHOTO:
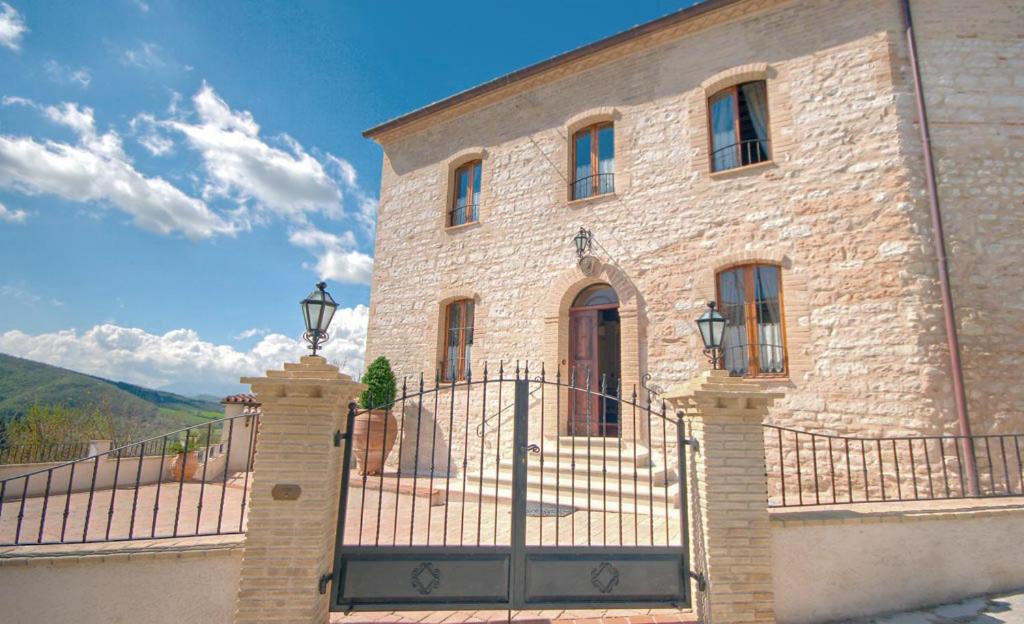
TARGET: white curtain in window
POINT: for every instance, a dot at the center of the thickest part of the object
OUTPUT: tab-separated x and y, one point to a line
723	130
769	338
757	106
734	348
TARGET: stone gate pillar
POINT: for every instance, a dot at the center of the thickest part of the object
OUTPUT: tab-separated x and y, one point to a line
730	535
293	509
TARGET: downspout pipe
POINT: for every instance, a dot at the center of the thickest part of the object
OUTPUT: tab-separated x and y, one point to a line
939	241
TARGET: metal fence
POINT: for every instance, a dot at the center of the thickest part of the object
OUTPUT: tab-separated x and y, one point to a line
179	484
818	469
36	453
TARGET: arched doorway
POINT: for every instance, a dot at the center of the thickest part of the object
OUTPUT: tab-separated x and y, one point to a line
594	362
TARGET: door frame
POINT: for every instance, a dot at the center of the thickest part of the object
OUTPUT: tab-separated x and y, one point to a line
595	376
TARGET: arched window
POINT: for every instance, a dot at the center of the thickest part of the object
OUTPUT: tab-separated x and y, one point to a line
738	122
458	340
593	161
750	297
596	295
465	204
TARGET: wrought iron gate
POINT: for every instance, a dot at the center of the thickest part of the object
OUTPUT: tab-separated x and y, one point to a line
484	503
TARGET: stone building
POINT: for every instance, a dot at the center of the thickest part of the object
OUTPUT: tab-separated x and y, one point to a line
765	154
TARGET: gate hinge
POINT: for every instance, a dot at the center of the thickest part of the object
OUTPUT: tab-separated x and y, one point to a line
339	436
324	580
701	582
691	441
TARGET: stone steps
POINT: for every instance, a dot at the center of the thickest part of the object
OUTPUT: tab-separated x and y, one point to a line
563	477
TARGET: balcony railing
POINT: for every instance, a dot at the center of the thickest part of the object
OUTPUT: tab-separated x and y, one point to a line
592	185
740	154
461	215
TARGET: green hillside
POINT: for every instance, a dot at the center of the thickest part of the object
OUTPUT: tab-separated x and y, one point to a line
24	383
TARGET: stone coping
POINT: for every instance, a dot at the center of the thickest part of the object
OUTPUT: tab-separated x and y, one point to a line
906	511
174	547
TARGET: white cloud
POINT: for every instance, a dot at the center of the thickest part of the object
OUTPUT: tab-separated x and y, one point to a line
142	6
337	259
180	357
147	55
12	27
63	74
97	169
12	216
243	167
21	295
252	332
147	132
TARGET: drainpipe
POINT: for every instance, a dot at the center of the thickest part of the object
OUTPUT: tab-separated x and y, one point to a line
939	240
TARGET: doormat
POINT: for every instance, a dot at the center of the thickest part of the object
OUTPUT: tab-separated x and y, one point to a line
548	510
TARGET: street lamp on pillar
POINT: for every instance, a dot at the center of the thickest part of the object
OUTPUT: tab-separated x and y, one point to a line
318	310
712	328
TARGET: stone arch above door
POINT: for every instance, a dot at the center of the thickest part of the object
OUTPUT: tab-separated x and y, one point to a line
555	305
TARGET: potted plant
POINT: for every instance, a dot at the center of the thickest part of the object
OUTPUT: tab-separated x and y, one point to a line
375	427
186	457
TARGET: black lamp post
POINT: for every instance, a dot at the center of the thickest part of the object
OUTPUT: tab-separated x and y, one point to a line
583	242
712	328
318	310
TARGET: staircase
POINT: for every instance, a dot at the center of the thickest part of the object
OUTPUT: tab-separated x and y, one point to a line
600	474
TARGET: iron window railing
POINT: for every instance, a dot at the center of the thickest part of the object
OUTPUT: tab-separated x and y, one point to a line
593	185
819	469
740	154
461	215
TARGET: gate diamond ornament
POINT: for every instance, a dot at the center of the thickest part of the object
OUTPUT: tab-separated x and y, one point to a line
425	578
604	577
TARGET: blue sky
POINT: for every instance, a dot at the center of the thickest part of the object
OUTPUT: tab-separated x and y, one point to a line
175	176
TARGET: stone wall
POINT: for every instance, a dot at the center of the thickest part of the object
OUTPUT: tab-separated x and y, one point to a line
840	208
972	64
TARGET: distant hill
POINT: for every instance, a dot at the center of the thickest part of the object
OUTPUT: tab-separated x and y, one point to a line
24	383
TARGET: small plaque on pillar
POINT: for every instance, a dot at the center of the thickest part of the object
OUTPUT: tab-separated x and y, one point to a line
286	491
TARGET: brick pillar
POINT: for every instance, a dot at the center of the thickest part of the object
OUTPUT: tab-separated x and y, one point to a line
730	534
293	509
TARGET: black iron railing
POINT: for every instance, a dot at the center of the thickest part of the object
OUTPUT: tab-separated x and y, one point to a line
817	469
39	453
589	186
196	483
740	154
461	215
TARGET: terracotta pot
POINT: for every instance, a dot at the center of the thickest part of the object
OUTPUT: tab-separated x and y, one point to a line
191	464
370	442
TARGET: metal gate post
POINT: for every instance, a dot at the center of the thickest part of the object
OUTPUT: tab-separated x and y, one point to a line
517	575
346	467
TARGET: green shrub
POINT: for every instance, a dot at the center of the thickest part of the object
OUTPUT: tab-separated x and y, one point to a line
178	446
381	385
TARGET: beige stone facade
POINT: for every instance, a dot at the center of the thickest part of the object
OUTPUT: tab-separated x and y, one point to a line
841	208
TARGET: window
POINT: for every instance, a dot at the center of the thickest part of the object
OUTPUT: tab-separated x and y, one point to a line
466	198
458	340
738	118
593	157
750	297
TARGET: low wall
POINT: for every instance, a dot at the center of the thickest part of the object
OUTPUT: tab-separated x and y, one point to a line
157	582
852	562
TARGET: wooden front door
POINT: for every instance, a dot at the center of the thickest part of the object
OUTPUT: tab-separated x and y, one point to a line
584	406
